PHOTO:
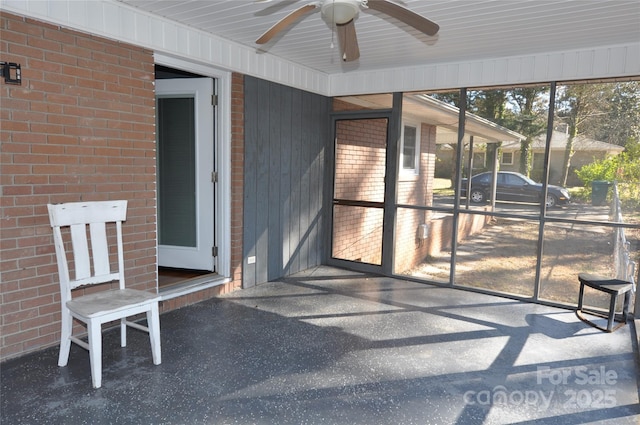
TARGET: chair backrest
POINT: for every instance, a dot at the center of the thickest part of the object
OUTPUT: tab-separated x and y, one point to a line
90	254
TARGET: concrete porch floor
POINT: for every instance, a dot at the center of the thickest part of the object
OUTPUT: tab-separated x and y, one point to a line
330	346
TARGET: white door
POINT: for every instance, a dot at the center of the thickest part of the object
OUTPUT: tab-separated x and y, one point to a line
185	153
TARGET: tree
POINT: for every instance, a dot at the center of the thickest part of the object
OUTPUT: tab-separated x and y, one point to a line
608	112
490	104
522	109
452	98
622	121
529	119
578	106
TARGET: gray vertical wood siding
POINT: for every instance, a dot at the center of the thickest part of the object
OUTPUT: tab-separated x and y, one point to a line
286	135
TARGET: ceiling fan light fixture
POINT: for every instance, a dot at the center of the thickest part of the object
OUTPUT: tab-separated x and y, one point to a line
341	15
339	11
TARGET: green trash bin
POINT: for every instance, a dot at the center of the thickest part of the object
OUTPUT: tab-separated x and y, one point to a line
599	190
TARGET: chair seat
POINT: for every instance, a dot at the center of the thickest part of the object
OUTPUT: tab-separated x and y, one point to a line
613	287
108	302
605	284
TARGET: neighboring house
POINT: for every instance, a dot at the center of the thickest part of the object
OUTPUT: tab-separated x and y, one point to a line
586	151
98	79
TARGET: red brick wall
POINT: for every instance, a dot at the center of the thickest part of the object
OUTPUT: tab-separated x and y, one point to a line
80	127
410	250
237	176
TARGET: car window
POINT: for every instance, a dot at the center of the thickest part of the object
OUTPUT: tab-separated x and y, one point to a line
482	178
513	180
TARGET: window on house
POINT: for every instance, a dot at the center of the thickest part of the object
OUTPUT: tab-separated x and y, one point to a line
410	148
538	160
507	158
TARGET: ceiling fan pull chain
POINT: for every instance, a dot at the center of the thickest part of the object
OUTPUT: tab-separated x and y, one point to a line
333	12
333	27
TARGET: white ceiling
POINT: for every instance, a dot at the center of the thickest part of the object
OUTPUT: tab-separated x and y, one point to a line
469	29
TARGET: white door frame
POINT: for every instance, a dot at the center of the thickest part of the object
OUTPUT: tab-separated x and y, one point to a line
222	154
199	256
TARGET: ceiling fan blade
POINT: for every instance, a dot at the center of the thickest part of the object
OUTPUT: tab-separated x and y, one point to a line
348	41
285	22
405	15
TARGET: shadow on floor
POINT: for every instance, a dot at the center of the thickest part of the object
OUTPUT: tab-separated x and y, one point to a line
329	346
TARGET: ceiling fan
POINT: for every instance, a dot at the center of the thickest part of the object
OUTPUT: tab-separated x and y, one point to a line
342	13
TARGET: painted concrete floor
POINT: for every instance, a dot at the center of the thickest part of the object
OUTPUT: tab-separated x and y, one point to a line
330	346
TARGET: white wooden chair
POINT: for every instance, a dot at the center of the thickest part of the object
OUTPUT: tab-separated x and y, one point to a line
92	266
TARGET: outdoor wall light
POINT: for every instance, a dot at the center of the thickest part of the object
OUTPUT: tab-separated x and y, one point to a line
11	72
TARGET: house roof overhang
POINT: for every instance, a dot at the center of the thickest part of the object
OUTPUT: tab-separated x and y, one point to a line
444	116
559	142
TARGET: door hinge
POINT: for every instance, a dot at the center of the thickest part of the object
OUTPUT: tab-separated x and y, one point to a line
214	99
214	251
214	177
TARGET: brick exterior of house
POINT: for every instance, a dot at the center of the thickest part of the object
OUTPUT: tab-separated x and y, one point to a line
410	248
360	170
81	127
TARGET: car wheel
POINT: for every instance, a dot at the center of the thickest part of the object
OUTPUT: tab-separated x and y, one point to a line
477	196
552	201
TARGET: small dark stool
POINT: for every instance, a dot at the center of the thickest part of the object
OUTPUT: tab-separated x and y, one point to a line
613	287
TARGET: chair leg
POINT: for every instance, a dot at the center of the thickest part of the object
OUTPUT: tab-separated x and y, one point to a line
123	332
95	352
65	337
612	312
625	306
153	323
581	296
